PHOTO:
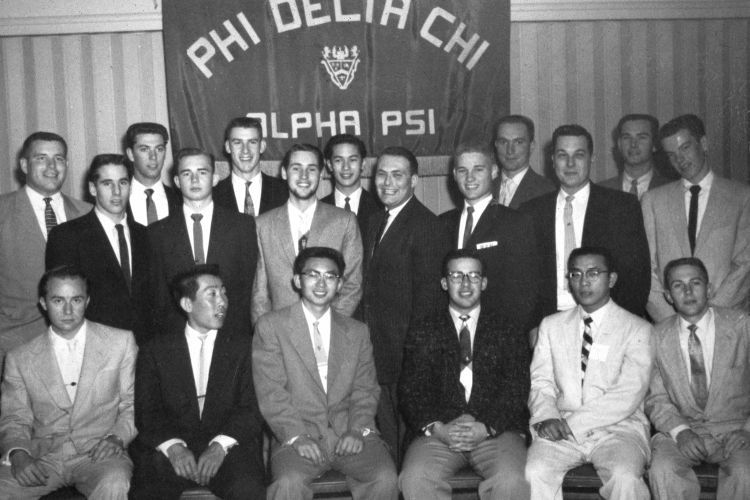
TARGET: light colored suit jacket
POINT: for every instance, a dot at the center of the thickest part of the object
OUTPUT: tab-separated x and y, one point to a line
610	400
22	245
331	227
670	402
288	386
722	243
37	414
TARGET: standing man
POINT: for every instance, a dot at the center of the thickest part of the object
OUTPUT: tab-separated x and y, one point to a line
301	222
247	189
584	214
514	143
501	236
197	416
67	400
315	378
109	249
26	216
201	233
701	215
700	391
406	244
150	198
589	376
636	145
463	392
345	156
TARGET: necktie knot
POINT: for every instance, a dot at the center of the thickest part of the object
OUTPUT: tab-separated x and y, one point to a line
569	199
470	209
149	192
47	200
695	189
347	205
588	320
692	328
464	317
196	217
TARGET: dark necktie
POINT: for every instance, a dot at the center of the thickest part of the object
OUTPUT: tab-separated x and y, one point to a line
464	341
586	345
302	243
347	206
249	207
381	230
124	254
198	239
469	226
634	187
151	215
49	215
693	216
698	382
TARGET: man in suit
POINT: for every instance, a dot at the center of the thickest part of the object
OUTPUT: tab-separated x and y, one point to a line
26	216
247	189
150	199
67	400
315	379
195	408
406	244
584	214
500	235
463	392
303	221
699	400
589	376
201	232
701	215
636	145
344	156
514	143
109	249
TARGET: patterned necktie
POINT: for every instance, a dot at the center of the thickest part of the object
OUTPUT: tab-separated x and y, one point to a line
570	232
693	216
586	345
504	198
249	207
301	243
698	382
151	215
49	215
464	341
347	206
202	373
321	354
124	254
468	227
634	187
381	230
198	239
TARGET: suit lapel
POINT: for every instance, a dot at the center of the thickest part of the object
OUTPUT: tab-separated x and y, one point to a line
486	223
94	357
339	352
596	217
678	219
101	247
571	333
265	194
710	217
316	235
28	221
45	365
671	352
725	342
300	338
284	232
219	372
182	250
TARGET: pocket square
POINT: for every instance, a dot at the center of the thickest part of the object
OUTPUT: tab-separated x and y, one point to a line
486	244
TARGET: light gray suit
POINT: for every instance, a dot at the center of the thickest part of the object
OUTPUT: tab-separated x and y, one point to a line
331	227
722	242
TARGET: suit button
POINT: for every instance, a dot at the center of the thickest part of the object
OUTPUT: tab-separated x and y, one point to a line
320	437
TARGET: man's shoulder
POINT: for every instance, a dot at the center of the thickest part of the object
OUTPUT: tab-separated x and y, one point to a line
80	207
733	189
612	183
9	200
539	204
275	182
269	218
113	337
37	341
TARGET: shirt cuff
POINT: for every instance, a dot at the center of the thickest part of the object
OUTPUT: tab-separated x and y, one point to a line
168	443
674	432
6	457
225	442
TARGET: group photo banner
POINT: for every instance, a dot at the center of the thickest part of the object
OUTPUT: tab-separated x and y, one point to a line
426	75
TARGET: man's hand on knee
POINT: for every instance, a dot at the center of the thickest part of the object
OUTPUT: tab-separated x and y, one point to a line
109	446
350	443
183	461
553	429
691	445
26	469
209	463
468	435
735	440
309	449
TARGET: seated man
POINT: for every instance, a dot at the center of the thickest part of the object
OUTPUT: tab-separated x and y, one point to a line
701	408
589	375
315	378
463	390
195	407
67	400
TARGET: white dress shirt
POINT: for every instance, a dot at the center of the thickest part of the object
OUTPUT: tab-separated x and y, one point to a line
38	205
705	185
467	373
642	182
339	199
512	184
239	186
208	215
69	356
300	222
114	240
479	208
324	327
580	201
138	201
393	213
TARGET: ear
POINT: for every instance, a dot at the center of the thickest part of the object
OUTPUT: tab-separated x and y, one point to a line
495	171
176	181
215	179
297	282
25	166
283	173
88	299
668	298
262	146
710	292
227	149
186	304
484	283
129	153
43	303
532	147
414	181
612	279
444	284
339	285
92	189
328	165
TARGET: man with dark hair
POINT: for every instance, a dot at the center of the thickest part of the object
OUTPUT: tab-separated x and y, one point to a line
67	400
584	214
701	215
26	216
636	140
150	198
112	251
247	189
514	143
463	392
200	233
195	407
303	221
315	378
589	376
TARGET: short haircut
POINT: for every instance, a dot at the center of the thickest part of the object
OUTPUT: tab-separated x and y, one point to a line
243	122
309	148
689	122
67	271
102	160
344	139
403	153
187	152
42	136
185	284
572	130
652	121
602	252
461	253
684	261
319	253
473	147
515	120
140	128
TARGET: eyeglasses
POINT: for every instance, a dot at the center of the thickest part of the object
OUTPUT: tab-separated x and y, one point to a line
458	276
591	274
316	275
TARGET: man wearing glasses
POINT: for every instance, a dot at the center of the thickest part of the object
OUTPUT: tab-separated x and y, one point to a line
463	392
589	376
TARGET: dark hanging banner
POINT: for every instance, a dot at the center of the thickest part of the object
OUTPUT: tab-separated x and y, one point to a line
426	75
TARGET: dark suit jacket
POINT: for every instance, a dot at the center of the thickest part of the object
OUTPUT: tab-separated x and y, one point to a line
82	242
613	220
274	193
368	205
233	246
430	389
531	186
615	183
402	281
174	201
507	245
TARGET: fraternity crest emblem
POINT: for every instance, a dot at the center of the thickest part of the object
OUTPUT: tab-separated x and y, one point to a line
341	64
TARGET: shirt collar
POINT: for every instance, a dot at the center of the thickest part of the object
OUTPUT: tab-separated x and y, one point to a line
37	199
705	183
341	197
137	187
579	197
296	212
481	205
107	223
236	179
598	315
59	341
395	211
473	314
323	322
702	323
516	179
193	334
207	211
645	178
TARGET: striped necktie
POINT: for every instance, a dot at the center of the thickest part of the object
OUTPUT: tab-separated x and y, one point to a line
586	345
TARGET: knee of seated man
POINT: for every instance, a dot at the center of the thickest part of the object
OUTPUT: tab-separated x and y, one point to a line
536	468
115	479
